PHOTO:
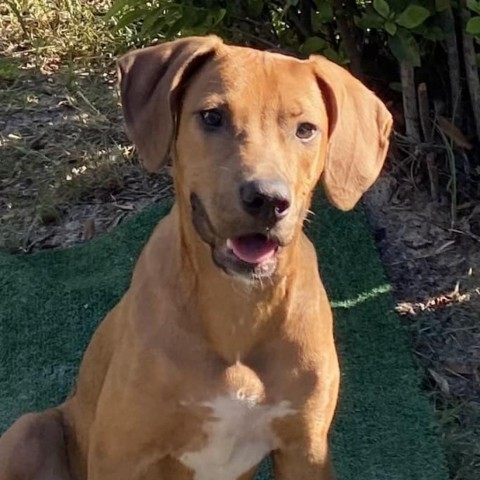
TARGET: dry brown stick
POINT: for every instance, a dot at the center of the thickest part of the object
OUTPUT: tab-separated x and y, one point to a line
455	230
471	68
409	101
432	174
424	113
427	128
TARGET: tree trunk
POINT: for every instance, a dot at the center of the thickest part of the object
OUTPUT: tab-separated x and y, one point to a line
409	101
471	68
451	46
427	129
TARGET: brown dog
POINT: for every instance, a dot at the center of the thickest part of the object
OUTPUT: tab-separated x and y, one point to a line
222	350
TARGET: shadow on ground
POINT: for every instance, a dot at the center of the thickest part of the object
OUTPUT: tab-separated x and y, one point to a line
67	170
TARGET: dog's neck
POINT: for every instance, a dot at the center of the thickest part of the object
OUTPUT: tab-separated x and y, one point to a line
234	313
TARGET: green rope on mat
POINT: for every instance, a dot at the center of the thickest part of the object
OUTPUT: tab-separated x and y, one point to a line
51	302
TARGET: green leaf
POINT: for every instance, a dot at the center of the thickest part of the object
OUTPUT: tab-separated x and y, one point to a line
220	15
399	5
117	6
370	19
405	48
323	15
325	10
215	17
391	28
317	22
412	16
474	5
332	55
8	69
175	28
433	33
313	45
381	6
441	5
150	20
203	17
473	26
190	16
255	8
131	17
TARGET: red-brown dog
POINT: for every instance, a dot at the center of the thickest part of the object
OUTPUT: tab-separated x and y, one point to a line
222	349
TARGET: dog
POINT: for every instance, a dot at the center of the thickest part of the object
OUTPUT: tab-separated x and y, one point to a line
221	352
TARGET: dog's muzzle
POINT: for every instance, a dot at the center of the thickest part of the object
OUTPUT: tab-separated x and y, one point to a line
253	255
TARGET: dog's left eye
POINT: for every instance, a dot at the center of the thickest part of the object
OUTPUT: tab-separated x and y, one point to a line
306	131
212	118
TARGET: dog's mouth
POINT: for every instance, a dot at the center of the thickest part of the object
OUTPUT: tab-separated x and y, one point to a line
255	249
253	255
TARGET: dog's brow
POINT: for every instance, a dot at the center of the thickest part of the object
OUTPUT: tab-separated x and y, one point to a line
213	101
295	113
294	109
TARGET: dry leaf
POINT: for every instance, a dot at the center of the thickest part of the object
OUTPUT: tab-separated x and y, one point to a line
453	132
129	207
441	381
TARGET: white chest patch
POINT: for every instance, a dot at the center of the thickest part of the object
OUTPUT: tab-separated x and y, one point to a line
239	436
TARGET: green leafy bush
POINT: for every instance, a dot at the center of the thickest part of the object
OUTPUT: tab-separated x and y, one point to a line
393	45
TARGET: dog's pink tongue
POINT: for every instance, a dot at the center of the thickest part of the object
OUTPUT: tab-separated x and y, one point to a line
253	248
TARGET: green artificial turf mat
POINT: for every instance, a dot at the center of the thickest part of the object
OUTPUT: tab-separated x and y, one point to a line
51	302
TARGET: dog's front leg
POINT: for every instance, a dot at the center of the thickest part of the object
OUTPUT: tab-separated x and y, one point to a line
303	452
138	467
304	461
34	448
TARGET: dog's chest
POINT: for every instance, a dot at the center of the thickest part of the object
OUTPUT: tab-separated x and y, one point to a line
238	436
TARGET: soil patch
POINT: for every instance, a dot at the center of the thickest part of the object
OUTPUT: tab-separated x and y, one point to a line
434	270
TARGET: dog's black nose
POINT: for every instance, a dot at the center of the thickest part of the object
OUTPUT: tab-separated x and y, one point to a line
268	200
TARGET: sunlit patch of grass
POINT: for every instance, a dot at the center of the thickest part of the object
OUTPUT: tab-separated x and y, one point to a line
50	33
9	70
61	143
361	297
61	132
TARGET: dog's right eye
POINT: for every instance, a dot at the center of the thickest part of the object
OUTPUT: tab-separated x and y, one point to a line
212	118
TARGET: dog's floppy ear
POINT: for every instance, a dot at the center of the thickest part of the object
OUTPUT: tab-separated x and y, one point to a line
150	80
359	130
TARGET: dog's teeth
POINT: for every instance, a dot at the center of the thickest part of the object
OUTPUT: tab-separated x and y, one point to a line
229	244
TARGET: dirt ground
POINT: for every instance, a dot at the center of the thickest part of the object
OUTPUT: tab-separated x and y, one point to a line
435	274
67	174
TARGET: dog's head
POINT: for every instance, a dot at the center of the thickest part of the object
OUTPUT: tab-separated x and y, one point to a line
251	133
